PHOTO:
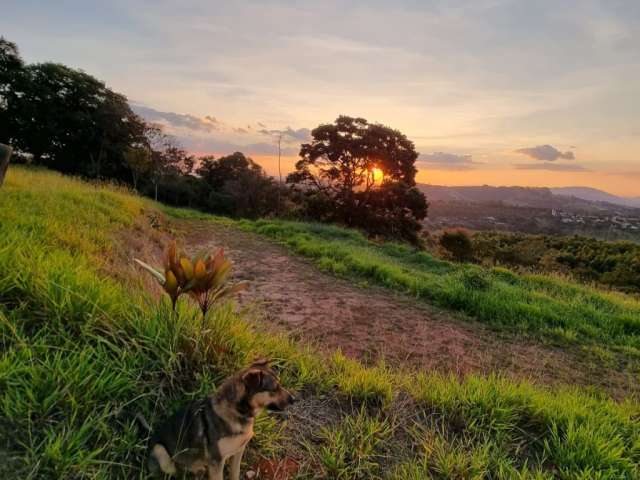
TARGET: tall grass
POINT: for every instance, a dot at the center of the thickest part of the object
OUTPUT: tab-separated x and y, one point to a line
80	353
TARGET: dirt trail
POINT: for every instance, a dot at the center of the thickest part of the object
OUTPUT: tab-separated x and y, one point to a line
371	322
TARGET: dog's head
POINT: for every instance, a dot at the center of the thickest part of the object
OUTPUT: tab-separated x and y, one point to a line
263	389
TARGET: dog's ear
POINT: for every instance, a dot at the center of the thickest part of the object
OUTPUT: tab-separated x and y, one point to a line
253	379
260	362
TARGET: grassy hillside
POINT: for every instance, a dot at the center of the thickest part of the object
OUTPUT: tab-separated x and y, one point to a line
80	352
537	304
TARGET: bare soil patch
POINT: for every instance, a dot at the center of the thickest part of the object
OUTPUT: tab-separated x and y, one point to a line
372	323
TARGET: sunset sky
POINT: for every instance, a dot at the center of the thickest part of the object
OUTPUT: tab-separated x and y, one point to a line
498	92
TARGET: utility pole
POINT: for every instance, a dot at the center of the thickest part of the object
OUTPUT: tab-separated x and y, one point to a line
279	172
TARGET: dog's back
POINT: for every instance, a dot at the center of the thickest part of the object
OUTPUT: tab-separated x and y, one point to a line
188	439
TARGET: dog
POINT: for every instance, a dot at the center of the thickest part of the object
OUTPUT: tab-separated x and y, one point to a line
204	434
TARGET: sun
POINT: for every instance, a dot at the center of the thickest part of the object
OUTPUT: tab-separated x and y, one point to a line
378	175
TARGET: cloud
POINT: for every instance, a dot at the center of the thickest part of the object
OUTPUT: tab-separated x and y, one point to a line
447	161
178	120
211	135
223	146
556	167
288	134
212	119
546	153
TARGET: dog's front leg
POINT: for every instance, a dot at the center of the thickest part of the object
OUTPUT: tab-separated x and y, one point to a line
215	470
235	465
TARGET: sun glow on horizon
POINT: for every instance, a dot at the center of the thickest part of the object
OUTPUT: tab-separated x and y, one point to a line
618	183
378	175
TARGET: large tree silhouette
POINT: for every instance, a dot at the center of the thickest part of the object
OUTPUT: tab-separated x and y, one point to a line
65	118
362	175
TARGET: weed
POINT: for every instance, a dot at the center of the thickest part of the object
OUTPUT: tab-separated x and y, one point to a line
354	449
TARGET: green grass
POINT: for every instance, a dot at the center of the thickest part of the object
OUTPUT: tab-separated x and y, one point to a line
354	449
532	304
81	352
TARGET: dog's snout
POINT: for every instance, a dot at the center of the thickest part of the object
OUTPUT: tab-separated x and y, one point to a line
291	399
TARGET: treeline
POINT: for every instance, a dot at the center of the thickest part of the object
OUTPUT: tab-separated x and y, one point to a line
69	121
613	264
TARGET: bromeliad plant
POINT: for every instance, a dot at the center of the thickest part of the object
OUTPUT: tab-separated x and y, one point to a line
202	277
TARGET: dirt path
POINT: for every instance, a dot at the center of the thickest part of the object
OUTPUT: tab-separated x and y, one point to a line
371	322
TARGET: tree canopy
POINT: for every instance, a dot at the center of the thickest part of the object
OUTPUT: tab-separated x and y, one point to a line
11	66
238	186
362	175
65	118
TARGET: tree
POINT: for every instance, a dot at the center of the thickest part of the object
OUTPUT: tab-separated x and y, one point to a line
65	118
166	157
457	243
10	59
339	174
11	69
138	159
116	128
230	167
394	210
237	186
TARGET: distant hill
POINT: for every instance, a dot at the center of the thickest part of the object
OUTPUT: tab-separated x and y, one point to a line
595	195
565	211
517	196
539	197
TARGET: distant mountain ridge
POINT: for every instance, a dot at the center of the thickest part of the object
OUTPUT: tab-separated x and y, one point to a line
595	195
541	197
520	196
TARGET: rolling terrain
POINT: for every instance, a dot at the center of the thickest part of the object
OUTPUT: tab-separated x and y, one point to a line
558	211
86	342
540	197
595	195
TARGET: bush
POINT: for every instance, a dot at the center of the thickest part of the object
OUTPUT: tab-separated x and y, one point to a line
615	264
458	244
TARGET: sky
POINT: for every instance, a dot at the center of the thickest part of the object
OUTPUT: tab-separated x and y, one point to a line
497	92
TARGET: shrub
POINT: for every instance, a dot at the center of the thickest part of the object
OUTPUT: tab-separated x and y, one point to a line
615	264
458	244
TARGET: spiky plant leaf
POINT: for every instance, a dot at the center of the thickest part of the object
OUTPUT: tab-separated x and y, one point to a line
156	274
187	267
200	270
171	284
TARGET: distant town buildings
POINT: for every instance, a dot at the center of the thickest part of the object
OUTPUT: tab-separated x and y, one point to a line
618	219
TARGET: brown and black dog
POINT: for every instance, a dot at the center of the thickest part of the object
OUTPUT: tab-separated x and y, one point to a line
200	437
